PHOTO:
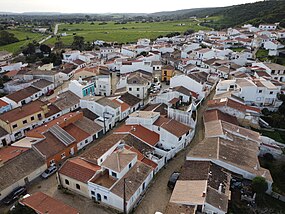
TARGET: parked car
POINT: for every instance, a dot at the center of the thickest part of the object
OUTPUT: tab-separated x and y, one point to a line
49	171
172	180
15	195
50	92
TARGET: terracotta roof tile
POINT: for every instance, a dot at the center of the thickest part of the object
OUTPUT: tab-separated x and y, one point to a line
10	152
42	203
79	169
140	132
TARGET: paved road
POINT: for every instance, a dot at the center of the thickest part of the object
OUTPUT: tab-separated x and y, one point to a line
158	195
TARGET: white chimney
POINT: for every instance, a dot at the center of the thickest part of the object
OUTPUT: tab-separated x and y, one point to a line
204	194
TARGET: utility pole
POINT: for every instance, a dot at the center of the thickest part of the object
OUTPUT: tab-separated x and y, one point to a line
125	205
143	95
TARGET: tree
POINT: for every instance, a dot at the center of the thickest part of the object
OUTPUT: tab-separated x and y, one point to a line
265	112
45	49
31	49
259	185
7	38
189	32
78	43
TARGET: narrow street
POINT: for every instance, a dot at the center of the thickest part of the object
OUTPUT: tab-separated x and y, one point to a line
158	195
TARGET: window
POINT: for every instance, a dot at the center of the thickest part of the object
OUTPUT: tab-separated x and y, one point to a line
14	126
271	92
32	118
260	91
187	133
180	138
92	193
130	165
130	89
138	89
25	121
138	95
40	116
105	197
66	182
77	186
62	155
86	141
114	174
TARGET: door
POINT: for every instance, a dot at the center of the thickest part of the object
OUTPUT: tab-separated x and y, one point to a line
4	142
98	197
26	181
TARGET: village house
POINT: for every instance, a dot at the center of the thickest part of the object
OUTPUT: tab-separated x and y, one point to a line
267	27
5	55
167	72
195	81
247	115
259	92
19	169
204	190
276	71
109	112
66	102
20	120
23	96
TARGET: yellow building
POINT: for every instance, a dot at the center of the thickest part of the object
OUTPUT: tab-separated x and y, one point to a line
167	72
22	119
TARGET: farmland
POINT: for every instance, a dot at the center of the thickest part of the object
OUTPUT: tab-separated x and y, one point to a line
123	33
24	37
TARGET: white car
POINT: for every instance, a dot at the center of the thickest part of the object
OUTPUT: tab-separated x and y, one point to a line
49	171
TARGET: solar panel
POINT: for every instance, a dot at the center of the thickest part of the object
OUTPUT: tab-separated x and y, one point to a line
62	135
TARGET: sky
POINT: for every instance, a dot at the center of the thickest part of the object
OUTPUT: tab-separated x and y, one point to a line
110	6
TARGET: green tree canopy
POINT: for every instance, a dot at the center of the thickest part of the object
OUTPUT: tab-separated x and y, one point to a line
78	43
7	38
259	185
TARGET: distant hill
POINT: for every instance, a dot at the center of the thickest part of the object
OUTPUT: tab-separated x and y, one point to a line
270	11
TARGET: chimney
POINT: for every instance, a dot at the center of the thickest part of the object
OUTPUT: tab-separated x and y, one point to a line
204	194
220	188
138	169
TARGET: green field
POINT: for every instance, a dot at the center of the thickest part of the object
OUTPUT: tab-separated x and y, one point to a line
22	35
123	33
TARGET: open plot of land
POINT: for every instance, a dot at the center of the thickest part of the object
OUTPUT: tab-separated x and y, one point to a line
25	37
123	33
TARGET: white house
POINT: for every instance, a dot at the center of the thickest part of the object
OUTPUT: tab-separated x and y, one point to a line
138	84
195	81
275	70
109	112
267	26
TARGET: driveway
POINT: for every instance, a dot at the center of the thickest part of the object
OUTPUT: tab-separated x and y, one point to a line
158	194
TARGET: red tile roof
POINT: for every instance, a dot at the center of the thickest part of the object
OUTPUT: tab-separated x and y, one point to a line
42	204
124	106
232	104
215	114
3	103
140	132
8	153
79	169
37	132
174	101
176	128
76	132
